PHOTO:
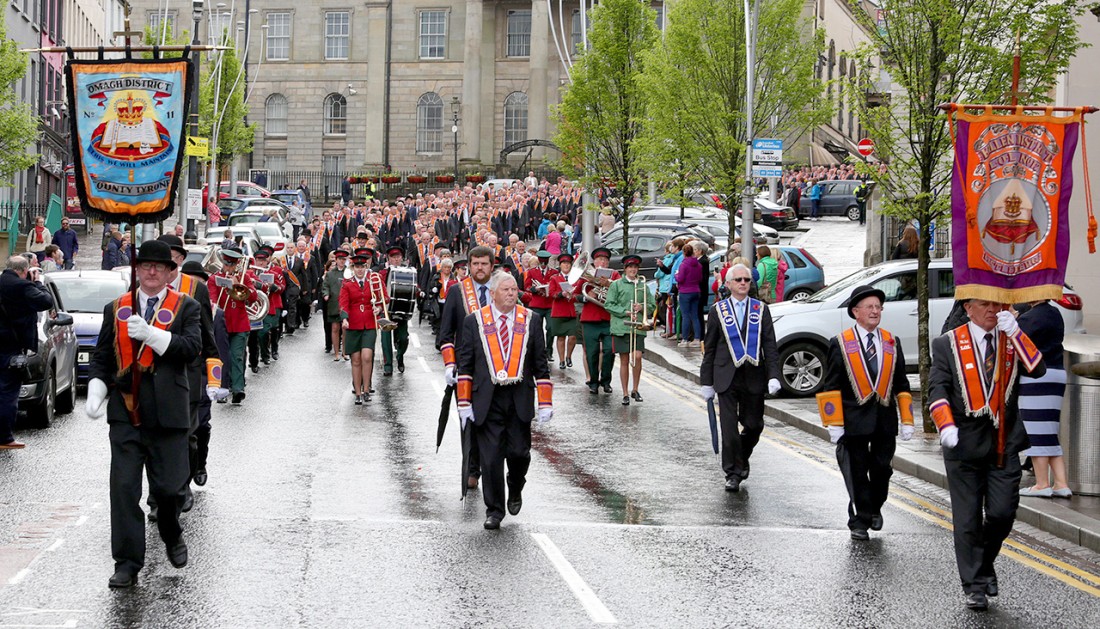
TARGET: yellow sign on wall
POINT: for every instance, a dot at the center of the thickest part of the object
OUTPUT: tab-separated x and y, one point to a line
197	147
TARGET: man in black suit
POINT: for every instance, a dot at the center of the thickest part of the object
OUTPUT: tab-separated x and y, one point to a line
969	412
865	389
740	364
497	391
167	326
22	297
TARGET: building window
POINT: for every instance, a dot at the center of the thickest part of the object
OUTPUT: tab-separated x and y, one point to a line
519	33
156	23
275	163
660	16
332	165
577	32
336	115
429	124
220	27
337	34
275	114
515	118
433	34
278	36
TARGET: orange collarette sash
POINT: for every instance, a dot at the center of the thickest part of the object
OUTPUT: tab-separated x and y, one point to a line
124	346
979	399
187	285
503	369
469	295
857	367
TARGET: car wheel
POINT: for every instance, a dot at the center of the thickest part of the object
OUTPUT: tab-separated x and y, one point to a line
800	293
42	414
66	402
803	368
853	213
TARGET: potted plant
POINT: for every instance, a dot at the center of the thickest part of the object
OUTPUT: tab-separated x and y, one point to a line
475	178
353	179
372	179
417	179
444	178
391	178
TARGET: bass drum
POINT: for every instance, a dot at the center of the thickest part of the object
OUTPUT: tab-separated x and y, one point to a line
403	292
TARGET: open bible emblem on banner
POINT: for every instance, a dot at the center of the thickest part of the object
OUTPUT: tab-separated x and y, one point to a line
128	132
1011	188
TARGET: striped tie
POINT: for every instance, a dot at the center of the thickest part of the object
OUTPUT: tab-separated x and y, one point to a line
505	337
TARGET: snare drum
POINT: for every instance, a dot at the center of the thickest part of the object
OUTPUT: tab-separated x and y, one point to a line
403	291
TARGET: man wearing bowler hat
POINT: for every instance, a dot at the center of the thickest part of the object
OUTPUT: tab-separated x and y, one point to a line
865	391
148	426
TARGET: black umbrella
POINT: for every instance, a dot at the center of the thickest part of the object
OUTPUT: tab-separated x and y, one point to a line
467	434
713	425
444	415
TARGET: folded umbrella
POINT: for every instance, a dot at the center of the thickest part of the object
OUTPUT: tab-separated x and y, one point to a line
713	425
444	415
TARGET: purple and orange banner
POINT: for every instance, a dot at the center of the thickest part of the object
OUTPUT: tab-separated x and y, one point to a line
1010	195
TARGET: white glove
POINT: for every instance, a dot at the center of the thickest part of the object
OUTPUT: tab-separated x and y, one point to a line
707	392
216	393
835	433
949	437
465	414
1007	323
773	386
94	406
906	432
449	376
545	415
137	328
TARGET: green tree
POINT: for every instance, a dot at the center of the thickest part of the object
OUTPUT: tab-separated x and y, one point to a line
602	110
939	51
223	79
18	124
695	79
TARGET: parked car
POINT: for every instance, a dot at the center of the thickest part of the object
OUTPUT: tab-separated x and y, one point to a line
255	217
654	226
245	190
838	198
204	254
774	215
649	245
290	197
83	294
229	207
50	387
719	228
762	234
803	328
805	275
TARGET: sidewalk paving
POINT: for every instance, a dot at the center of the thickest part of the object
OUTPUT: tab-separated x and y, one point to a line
1076	520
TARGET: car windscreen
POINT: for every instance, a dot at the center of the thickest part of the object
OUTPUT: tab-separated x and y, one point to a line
269	230
245	218
84	294
844	285
230	204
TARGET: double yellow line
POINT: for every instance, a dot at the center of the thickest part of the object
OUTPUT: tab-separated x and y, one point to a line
907	501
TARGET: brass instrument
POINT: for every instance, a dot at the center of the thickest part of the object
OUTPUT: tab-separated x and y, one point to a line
593	288
643	324
255	309
378	295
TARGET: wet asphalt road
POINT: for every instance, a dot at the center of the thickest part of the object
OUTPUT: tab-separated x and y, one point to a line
319	513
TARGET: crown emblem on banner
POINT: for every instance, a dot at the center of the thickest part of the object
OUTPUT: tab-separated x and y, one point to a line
1012	206
130	111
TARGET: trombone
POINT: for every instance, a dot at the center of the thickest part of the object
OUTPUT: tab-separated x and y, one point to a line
643	324
379	295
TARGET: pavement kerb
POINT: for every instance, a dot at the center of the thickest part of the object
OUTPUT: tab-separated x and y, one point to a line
1047	516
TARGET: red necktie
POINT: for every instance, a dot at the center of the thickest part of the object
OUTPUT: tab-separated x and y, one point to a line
505	337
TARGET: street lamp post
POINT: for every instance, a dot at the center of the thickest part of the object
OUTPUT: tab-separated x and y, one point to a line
193	162
455	105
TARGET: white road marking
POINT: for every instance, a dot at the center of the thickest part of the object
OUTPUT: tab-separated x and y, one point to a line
57	544
592	604
414	338
96	505
68	624
19	576
423	364
81	520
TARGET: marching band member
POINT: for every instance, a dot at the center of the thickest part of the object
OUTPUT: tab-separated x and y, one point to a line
359	306
536	286
968	406
442	281
563	313
399	338
330	294
627	314
865	389
231	307
596	323
501	364
275	301
740	365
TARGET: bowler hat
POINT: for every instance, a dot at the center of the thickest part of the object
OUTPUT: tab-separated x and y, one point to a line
192	267
174	242
155	251
859	293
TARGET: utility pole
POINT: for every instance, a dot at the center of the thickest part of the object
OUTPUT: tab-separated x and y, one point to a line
748	245
192	161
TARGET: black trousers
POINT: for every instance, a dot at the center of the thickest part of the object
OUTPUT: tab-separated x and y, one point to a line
737	407
865	464
10	382
201	437
978	486
163	454
502	437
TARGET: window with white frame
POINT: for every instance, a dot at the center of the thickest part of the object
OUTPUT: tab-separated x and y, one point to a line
515	118
433	34
275	115
336	115
429	124
660	9
156	22
337	34
519	33
278	36
220	25
576	31
275	163
332	165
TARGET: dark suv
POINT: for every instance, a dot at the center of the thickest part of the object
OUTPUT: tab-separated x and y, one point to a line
838	198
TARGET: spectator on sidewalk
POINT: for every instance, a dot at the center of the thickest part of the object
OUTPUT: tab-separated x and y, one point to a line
53	260
213	214
688	278
1041	401
907	247
666	281
768	267
112	253
38	237
66	239
815	199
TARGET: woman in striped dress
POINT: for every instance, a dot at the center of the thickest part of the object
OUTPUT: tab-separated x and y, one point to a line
1041	401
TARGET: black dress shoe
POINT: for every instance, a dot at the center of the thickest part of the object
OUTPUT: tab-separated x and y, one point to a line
201	476
991	588
255	369
401	364
568	362
561	365
387	372
876	522
358	401
371	390
626	400
188	501
637	397
238	397
177	554
152	514
492	523
860	534
274	355
266	361
328	350
607	388
977	601
515	503
745	470
223	401
122	579
733	485
593	388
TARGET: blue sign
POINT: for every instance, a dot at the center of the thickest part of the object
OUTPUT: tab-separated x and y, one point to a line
767	144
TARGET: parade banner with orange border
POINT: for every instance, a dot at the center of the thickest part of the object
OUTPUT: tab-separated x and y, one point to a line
1010	195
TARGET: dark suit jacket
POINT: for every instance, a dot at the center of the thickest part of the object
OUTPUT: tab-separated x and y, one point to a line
164	395
454	312
472	362
20	302
871	417
718	370
977	438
